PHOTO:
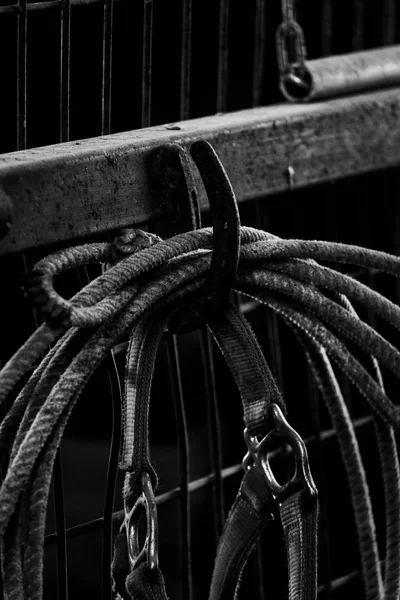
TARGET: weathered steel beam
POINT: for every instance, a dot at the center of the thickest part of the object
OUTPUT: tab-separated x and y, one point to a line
72	190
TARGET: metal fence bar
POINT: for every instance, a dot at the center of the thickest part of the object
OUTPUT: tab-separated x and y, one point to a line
148	10
319	454
358	27
186	57
259	51
193	486
183	466
112	472
22	30
107	67
389	22
271	319
214	429
61	538
275	348
223	54
65	52
327	27
260	570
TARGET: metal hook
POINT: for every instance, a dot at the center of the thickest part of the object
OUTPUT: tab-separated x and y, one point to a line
258	455
226	228
172	179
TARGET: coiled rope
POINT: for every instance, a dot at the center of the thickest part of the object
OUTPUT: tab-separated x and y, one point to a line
147	276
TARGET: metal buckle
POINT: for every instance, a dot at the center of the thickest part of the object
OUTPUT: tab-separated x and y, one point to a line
257	455
146	502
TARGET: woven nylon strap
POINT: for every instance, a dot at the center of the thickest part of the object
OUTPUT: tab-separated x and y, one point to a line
299	518
254	503
248	516
247	364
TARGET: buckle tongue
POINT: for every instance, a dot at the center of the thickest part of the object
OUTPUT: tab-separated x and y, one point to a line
257	455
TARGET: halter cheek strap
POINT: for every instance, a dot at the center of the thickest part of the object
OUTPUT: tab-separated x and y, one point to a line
259	496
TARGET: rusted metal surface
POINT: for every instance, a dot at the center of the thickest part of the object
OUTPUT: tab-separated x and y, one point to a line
172	179
345	74
5	214
76	189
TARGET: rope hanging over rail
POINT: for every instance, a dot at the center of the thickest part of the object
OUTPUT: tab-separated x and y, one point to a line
146	283
157	275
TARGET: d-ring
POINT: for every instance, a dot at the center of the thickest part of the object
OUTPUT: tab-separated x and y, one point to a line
149	550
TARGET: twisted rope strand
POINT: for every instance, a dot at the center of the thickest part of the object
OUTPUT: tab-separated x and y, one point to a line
313	273
351	456
368	387
390	466
344	322
38	497
279	249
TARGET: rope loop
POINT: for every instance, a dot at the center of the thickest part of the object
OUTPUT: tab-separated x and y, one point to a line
86	309
146	282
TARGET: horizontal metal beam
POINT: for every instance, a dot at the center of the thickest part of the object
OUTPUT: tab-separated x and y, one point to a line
45	5
72	190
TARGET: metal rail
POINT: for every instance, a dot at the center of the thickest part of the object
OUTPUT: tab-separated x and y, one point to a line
68	191
46	5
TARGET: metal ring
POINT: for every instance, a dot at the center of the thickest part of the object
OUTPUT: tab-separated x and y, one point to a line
258	455
149	551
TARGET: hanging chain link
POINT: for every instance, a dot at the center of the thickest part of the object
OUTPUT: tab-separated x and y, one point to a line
290	46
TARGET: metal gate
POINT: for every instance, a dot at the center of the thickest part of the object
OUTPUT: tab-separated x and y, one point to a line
76	69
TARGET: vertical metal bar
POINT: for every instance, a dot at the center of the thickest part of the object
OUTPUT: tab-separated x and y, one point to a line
259	51
148	10
358	27
61	540
186	56
183	449
260	570
327	27
389	22
112	471
319	453
214	430
65	50
22	29
271	318
223	38
107	66
275	349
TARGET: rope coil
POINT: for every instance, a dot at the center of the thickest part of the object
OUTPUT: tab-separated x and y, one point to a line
157	276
